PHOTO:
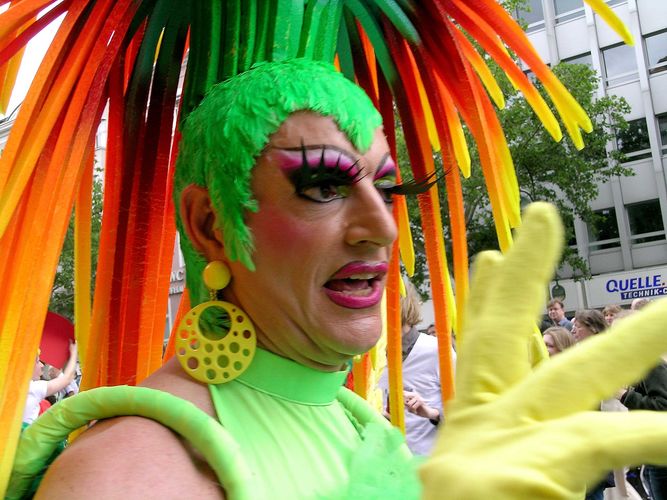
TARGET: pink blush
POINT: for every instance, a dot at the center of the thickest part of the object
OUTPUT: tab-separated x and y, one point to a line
281	232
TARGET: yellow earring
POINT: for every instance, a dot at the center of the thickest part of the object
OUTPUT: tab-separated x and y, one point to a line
216	340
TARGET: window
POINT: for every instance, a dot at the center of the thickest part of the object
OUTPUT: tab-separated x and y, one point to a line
634	141
620	64
656	51
568	9
570	234
662	127
603	231
645	221
580	59
533	16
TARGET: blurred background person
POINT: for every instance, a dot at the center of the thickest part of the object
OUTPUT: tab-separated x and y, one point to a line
556	312
638	304
421	377
610	311
40	389
51	372
557	339
588	322
650	394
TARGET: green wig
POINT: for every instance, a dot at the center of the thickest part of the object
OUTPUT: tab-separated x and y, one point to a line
223	137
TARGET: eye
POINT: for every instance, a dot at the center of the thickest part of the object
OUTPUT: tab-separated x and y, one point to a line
325	181
386	187
325	192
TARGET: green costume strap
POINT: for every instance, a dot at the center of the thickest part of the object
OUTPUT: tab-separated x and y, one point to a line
216	445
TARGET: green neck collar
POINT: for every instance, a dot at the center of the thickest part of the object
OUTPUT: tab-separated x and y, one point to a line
286	379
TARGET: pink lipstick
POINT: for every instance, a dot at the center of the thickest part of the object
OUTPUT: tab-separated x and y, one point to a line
357	285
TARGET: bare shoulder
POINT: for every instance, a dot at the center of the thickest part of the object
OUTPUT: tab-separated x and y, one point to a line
134	457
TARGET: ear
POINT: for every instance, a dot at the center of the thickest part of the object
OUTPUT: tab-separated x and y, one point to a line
198	220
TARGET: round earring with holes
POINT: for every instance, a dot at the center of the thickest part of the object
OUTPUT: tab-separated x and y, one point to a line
215	341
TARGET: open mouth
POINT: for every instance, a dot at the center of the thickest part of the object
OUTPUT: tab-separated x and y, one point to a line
357	285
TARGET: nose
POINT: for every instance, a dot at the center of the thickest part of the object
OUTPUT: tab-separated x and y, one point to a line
371	219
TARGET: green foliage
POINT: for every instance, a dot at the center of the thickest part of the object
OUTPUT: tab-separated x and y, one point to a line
62	293
546	170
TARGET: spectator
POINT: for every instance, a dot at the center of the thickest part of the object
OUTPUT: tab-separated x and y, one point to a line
650	394
53	372
638	304
556	311
557	339
610	312
587	323
421	378
40	389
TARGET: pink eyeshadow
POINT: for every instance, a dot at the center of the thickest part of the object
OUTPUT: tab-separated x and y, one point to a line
388	168
293	160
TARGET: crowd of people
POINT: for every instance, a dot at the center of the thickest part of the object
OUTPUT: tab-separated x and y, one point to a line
560	333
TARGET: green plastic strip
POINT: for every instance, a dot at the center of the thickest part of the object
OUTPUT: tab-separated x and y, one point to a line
399	19
287	29
216	444
232	36
248	34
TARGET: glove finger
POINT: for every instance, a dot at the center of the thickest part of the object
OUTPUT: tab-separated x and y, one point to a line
587	373
495	355
484	268
596	442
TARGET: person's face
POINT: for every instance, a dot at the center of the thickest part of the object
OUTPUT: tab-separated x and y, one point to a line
556	312
322	236
581	331
37	370
431	331
551	345
53	372
609	317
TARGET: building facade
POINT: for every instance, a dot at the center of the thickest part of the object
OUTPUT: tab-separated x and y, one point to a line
627	250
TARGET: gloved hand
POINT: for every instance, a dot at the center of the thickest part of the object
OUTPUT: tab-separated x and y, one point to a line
513	432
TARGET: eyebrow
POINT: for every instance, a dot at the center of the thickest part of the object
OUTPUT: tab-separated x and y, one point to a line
327	157
386	165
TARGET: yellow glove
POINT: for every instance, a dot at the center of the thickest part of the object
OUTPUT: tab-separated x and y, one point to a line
513	432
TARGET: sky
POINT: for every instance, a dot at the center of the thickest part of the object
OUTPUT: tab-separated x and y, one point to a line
32	57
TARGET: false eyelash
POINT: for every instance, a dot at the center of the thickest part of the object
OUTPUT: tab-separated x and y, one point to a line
307	176
413	187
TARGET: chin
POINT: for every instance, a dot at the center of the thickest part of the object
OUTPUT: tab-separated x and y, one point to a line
363	341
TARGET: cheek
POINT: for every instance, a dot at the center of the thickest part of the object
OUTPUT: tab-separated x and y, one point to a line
282	234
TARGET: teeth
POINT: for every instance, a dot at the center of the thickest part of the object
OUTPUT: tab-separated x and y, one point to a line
366	276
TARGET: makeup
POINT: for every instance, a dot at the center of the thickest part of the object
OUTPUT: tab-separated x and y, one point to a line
357	285
387	168
319	173
315	157
324	173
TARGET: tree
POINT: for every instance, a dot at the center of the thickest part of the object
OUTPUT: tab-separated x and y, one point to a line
546	170
62	293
